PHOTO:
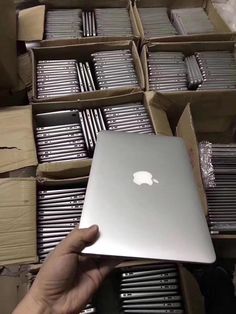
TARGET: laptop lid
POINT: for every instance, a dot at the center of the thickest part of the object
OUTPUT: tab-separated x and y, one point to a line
143	196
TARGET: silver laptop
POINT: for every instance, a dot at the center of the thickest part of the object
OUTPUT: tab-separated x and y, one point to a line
143	196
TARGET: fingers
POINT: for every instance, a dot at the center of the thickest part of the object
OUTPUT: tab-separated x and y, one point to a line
77	240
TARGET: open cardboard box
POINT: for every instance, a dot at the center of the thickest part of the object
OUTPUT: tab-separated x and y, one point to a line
18	211
188	49
223	31
212	119
83	53
157	115
174	103
18	157
31	21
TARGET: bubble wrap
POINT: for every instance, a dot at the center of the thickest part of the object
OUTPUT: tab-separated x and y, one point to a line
208	176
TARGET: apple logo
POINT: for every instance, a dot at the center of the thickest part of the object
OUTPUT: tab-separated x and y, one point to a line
143	177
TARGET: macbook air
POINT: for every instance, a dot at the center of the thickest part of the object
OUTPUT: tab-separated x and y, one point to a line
143	196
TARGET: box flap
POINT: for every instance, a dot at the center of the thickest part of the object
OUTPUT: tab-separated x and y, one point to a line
193	299
17	147
8	64
31	23
55	4
158	113
18	221
170	3
185	129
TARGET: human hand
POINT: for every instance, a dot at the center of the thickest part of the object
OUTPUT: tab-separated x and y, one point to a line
66	281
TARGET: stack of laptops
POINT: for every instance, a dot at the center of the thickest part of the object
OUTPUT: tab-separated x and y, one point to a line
63	24
131	118
156	23
60	137
218	69
113	22
167	71
115	69
151	289
222	198
72	134
89	23
56	78
59	211
191	21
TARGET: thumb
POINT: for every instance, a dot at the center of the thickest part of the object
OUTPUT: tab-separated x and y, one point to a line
77	240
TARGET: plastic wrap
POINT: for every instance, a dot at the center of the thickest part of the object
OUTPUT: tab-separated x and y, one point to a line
208	176
227	10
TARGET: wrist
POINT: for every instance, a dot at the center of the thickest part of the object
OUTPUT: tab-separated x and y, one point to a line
30	305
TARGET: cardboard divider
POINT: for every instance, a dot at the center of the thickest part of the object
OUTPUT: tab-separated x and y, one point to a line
82	53
223	31
66	169
212	119
188	48
32	22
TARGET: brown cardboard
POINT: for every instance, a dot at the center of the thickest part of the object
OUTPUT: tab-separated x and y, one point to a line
18	230
83	52
8	291
31	23
18	221
223	32
8	63
17	148
66	169
185	129
188	48
210	118
193	299
25	69
56	171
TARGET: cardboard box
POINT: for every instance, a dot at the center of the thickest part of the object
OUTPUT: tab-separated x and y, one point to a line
213	119
174	103
8	63
157	115
32	21
82	53
18	221
188	48
18	157
223	32
18	229
17	147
